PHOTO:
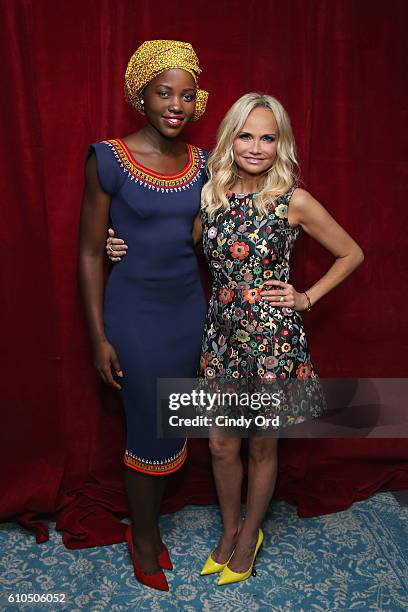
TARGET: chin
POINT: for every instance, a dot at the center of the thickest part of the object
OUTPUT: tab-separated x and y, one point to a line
166	131
255	170
170	133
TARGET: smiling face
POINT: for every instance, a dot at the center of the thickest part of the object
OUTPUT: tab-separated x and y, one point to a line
255	146
169	101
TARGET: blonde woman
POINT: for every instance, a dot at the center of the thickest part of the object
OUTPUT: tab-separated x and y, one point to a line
251	213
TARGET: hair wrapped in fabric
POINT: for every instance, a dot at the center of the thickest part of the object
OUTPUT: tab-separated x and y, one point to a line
154	57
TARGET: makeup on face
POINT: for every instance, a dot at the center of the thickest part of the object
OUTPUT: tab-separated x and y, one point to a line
169	101
255	145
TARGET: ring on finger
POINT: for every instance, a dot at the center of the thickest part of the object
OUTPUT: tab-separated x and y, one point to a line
282	299
109	249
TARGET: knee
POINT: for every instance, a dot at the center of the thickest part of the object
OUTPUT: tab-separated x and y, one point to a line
261	453
223	450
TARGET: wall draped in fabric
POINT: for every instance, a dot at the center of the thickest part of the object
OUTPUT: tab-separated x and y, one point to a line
338	68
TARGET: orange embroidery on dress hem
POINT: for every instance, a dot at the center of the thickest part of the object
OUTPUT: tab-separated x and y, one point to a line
156	467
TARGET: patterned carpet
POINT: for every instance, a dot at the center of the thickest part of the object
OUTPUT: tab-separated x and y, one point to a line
351	560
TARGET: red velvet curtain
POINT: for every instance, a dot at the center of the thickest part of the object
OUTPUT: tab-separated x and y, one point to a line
338	68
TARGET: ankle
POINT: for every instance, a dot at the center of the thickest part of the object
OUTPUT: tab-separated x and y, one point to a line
230	534
143	542
248	527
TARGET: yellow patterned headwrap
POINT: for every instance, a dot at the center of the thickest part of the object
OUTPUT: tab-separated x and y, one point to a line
154	57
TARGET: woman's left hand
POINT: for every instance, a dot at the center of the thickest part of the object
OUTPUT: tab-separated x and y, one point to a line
284	296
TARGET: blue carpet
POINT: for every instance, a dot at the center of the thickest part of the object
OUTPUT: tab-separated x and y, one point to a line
351	560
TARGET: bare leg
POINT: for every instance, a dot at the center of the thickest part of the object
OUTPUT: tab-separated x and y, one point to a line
262	472
227	470
144	494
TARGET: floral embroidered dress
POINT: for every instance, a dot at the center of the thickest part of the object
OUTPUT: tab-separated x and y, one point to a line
244	336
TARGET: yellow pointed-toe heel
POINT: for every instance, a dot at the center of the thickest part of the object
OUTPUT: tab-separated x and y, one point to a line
212	567
228	576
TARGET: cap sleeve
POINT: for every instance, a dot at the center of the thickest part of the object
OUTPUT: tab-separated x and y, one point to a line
109	174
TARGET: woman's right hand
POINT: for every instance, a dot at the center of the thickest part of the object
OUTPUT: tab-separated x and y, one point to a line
115	247
106	361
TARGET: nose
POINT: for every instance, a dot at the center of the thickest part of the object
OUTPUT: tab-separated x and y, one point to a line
175	105
255	146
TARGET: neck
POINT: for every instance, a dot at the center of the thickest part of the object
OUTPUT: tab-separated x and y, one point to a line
246	183
160	143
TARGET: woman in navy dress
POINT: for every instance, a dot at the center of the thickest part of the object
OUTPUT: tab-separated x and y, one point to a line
149	323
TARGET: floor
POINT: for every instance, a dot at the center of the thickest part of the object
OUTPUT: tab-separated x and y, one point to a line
351	560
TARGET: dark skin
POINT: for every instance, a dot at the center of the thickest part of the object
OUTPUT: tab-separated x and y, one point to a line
169	103
157	145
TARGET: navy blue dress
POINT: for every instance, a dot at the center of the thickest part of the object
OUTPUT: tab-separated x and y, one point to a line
154	304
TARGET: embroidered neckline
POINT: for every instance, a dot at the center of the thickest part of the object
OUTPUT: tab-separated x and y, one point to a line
151	172
155	180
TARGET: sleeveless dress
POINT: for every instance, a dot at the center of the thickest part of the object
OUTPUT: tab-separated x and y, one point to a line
245	338
154	304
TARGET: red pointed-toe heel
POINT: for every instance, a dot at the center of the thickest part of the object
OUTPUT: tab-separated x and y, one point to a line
154	581
164	559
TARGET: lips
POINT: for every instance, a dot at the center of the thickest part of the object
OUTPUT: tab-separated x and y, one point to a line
172	121
254	160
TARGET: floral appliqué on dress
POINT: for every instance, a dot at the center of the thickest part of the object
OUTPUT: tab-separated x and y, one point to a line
244	336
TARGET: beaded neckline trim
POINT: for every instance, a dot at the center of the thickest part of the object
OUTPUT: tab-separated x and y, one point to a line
154	180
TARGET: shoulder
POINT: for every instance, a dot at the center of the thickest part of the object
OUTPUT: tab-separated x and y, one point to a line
199	161
303	206
300	197
102	158
301	200
103	147
202	153
103	152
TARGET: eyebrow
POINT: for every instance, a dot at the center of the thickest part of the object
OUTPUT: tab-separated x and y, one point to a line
192	88
242	133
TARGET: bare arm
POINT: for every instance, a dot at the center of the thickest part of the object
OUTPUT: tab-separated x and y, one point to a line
306	211
93	225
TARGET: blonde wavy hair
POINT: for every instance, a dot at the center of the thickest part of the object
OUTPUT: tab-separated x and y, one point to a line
223	171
